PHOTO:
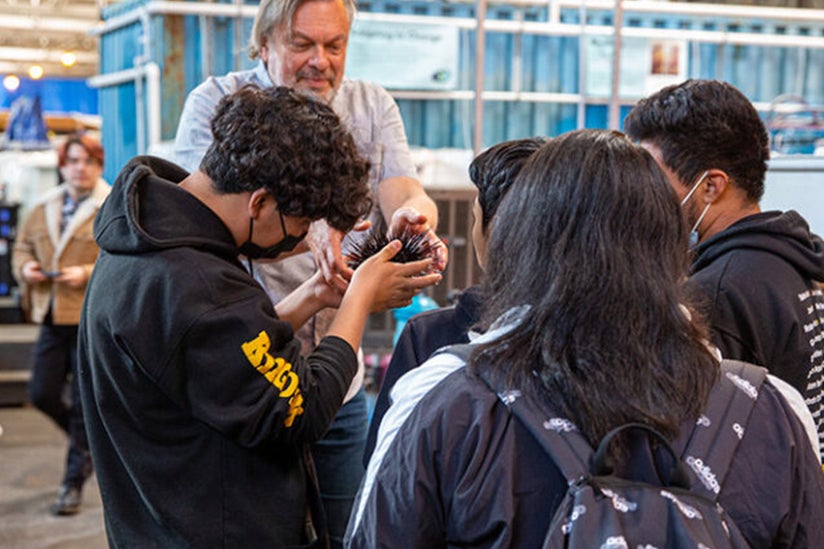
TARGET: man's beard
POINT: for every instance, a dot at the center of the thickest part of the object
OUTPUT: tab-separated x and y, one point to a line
325	97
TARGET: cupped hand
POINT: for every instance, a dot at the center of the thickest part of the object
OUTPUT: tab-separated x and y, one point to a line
390	285
327	294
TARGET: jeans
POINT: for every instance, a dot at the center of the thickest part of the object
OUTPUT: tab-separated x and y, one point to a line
338	458
55	363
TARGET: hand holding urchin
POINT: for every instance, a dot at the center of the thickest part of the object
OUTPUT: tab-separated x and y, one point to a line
415	246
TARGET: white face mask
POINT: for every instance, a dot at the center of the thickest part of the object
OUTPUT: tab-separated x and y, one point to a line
694	236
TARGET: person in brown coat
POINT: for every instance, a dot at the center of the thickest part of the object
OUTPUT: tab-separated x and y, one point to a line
52	260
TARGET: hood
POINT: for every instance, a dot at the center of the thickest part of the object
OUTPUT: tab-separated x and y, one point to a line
470	303
786	235
147	211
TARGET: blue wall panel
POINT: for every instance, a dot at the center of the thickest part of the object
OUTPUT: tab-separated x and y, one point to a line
814	88
119	133
64	95
546	64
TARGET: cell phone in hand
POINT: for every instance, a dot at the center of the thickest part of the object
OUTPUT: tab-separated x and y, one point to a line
51	274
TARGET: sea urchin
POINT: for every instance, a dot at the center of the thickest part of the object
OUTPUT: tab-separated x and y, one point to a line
416	246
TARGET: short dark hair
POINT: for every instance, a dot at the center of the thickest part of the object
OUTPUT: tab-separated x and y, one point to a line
597	248
293	146
91	145
703	124
494	170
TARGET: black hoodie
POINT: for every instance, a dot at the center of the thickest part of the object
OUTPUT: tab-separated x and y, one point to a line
197	402
763	301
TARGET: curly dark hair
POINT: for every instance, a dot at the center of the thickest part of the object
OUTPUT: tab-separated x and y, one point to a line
293	146
703	124
494	170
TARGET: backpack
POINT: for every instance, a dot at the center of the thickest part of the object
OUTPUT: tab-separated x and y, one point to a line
602	510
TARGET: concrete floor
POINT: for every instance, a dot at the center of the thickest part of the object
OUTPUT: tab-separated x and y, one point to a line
32	457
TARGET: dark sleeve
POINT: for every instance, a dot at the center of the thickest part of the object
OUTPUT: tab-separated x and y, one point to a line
421	336
755	324
247	379
461	472
728	312
732	345
774	491
756	319
403	359
404	507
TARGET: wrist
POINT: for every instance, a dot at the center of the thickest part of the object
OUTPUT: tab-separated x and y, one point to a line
354	301
308	297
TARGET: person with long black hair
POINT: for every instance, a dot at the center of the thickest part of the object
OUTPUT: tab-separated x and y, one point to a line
492	172
589	318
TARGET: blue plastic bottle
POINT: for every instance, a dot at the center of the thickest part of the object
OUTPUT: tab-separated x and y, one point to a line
420	303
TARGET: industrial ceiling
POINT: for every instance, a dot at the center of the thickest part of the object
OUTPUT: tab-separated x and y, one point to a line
47	33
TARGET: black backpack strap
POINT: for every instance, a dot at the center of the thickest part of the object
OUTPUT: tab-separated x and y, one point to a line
558	436
719	430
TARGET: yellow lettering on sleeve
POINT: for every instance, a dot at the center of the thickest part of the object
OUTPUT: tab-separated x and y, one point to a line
277	371
295	408
283	378
258	349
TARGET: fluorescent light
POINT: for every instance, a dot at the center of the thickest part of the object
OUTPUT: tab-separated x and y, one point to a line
68	58
11	82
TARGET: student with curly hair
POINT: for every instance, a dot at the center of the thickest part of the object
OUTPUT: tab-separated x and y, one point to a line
302	44
198	403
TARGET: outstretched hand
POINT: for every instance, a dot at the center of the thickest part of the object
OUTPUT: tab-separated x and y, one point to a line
325	243
326	294
410	220
379	284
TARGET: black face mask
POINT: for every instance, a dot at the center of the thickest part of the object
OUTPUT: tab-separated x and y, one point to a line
253	251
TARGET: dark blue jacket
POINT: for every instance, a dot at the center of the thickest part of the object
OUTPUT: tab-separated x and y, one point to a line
424	334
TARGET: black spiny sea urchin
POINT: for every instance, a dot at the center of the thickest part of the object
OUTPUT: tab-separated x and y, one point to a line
415	246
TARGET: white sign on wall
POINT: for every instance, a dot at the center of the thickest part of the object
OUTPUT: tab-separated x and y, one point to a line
647	65
403	56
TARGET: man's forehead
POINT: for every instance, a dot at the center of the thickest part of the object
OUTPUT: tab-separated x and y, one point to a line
320	16
298	34
76	151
